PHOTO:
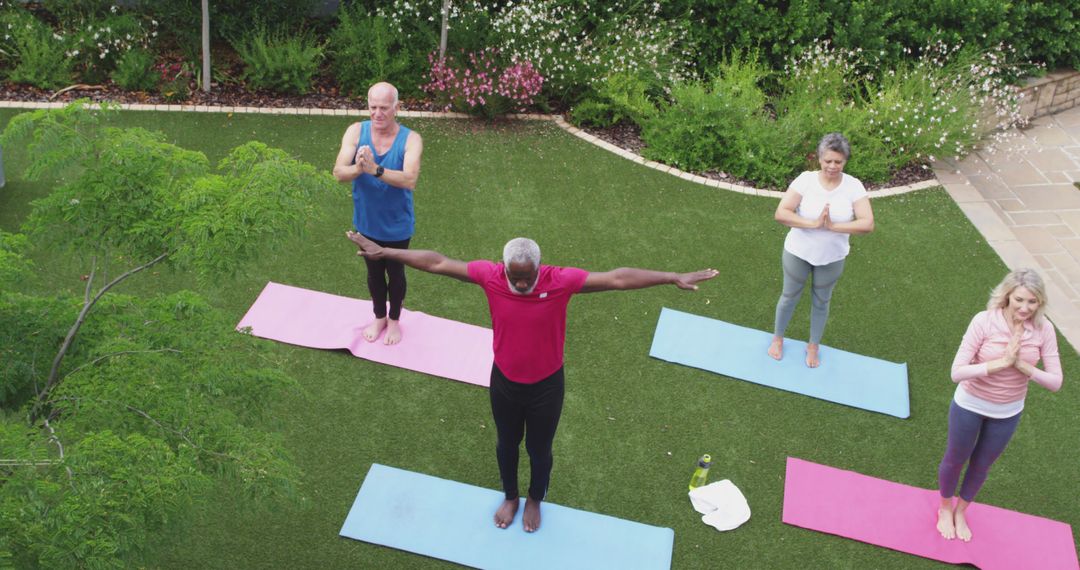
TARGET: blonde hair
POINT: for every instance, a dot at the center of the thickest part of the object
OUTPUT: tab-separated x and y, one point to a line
1026	278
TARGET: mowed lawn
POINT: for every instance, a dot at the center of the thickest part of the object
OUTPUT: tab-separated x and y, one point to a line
632	426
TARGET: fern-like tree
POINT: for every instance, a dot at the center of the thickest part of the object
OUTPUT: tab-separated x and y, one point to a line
115	410
127	192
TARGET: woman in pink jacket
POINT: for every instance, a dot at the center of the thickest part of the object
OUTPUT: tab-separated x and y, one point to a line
993	366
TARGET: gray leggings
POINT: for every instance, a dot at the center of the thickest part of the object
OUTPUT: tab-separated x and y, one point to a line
796	271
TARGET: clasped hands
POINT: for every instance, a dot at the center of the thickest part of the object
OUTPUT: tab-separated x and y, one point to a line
365	160
824	221
1012	352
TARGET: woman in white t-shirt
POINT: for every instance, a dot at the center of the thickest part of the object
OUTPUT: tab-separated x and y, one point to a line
822	209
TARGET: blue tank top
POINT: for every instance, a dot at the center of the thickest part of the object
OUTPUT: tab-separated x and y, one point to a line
382	211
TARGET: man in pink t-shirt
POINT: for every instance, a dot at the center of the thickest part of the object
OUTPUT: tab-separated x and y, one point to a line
528	303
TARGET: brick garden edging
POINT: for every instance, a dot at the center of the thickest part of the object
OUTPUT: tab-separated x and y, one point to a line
557	119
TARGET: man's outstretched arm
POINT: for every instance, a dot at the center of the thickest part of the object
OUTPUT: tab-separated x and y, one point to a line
633	278
424	260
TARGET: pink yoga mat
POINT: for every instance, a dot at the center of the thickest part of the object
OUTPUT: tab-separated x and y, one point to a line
431	345
901	517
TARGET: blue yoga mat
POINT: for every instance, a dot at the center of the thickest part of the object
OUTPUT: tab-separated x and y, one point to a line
740	352
454	521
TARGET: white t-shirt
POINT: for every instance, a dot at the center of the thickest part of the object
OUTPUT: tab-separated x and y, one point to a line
820	246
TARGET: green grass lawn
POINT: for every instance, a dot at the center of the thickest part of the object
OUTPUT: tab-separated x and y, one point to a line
632	426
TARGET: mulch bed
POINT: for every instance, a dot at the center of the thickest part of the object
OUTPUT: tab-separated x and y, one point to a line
325	95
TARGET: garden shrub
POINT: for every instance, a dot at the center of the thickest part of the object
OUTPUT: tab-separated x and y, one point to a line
483	83
174	83
279	61
230	19
364	50
96	46
575	45
135	71
620	97
32	53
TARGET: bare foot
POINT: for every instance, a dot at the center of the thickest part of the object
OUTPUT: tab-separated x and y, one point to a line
945	523
371	332
812	359
393	332
504	516
776	347
962	530
531	518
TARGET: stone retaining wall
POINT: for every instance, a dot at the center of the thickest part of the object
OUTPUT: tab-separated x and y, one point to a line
1051	93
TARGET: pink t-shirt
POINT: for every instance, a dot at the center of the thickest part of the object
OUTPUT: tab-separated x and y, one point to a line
529	330
986	339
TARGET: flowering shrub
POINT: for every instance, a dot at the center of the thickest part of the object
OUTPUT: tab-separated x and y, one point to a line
575	46
175	82
96	47
477	83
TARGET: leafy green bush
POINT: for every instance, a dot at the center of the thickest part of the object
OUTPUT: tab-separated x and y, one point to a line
95	46
135	71
31	52
279	61
181	20
620	97
574	45
364	50
939	105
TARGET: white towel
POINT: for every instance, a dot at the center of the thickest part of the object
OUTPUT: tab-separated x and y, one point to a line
722	503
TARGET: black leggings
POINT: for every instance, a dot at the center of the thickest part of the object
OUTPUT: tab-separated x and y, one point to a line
385	276
532	411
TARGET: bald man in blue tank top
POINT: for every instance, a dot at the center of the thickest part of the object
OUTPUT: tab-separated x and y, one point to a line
381	158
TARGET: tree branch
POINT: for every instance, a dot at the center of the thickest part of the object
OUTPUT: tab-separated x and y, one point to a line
54	373
56	440
90	280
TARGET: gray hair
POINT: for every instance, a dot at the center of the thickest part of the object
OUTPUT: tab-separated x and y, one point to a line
521	250
1026	278
835	142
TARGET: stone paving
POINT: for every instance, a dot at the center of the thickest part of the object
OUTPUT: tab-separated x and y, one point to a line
1023	199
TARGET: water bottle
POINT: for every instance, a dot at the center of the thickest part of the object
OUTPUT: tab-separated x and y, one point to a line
701	474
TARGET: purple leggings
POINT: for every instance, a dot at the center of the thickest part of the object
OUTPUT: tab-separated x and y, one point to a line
976	440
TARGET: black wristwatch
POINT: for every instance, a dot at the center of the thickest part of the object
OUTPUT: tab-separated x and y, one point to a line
379	171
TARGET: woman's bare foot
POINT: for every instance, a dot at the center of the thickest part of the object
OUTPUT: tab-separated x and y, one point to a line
504	515
812	359
945	523
372	331
393	332
531	519
962	530
776	347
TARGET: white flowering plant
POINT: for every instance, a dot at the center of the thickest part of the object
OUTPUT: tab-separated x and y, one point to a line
96	46
576	44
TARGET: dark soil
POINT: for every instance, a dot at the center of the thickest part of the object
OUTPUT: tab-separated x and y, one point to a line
325	95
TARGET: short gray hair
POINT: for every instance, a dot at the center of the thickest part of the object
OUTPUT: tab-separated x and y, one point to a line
1026	278
521	250
835	142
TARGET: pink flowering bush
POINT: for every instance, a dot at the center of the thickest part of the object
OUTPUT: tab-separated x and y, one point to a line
480	83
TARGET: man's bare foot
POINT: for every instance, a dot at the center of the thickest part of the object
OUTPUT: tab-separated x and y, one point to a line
945	523
776	347
504	516
531	519
371	332
962	530
812	359
393	332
